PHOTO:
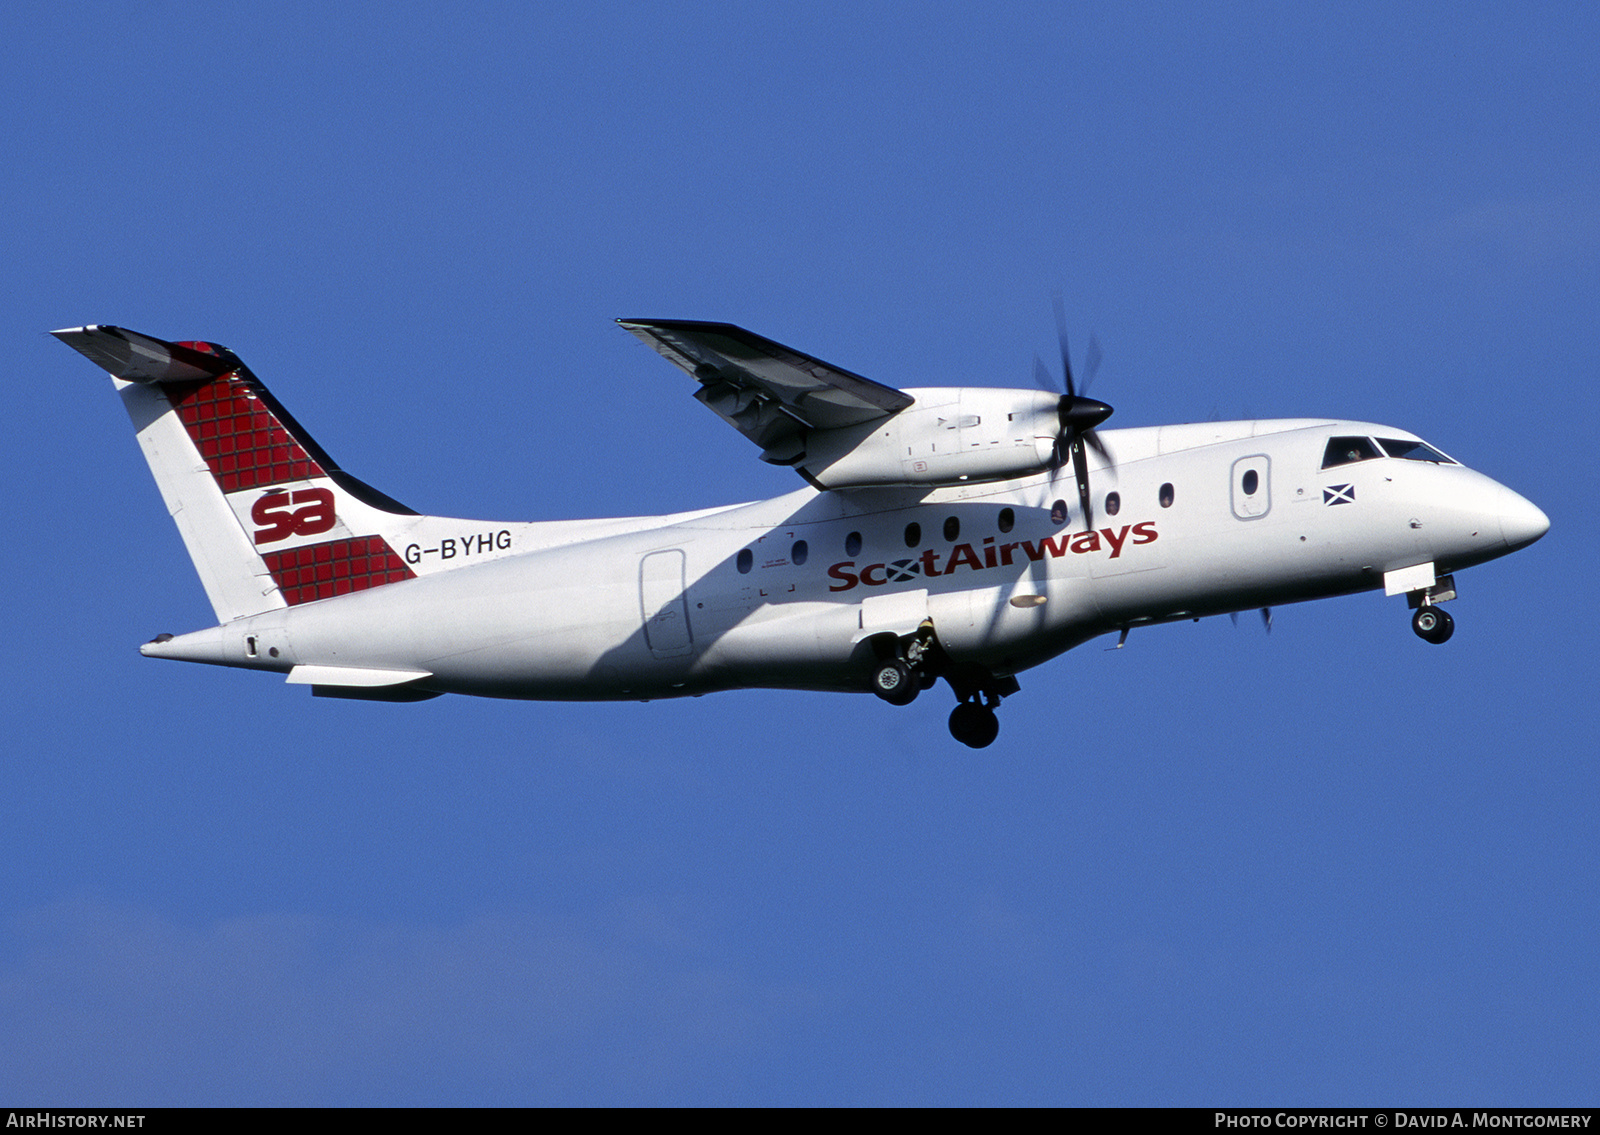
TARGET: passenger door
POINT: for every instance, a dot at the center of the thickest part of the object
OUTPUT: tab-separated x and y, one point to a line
664	604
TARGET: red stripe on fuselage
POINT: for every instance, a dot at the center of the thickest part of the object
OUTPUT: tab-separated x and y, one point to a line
339	567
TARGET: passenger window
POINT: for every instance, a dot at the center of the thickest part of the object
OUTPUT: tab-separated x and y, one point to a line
852	545
1167	495
1250	482
745	559
1348	450
799	552
1058	512
1008	519
1113	504
913	534
952	528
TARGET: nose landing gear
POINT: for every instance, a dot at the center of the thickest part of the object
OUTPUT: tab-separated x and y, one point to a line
1431	623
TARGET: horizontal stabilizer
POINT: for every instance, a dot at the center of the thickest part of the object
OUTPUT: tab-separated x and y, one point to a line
133	357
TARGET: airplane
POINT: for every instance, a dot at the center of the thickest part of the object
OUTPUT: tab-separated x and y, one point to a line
967	533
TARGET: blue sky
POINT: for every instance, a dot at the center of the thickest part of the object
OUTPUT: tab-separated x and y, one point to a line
1329	865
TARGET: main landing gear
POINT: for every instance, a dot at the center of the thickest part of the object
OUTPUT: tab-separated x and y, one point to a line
896	682
907	666
913	667
1433	624
974	723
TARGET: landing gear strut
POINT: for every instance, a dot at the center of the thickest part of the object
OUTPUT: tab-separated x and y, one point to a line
1433	624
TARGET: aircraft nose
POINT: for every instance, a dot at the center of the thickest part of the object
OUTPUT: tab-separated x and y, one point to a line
1521	521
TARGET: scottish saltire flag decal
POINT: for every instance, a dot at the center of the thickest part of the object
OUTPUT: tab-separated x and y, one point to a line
1339	494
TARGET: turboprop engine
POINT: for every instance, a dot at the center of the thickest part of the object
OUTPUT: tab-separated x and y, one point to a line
947	436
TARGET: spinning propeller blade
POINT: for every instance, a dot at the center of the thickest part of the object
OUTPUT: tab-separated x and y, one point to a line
1078	415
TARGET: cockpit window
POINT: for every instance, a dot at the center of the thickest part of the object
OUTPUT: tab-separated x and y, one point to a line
1412	450
1347	450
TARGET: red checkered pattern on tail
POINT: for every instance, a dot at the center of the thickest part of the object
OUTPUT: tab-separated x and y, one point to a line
241	440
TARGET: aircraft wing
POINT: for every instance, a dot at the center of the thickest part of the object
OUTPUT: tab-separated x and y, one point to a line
772	394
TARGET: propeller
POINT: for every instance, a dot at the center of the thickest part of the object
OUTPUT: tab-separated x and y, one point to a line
1078	415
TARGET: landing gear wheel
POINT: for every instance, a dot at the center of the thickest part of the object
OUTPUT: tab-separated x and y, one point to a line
974	724
1432	624
896	683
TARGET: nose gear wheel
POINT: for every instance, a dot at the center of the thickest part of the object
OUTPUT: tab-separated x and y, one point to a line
1433	624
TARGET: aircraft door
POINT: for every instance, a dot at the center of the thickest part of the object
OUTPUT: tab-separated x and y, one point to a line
1252	487
664	604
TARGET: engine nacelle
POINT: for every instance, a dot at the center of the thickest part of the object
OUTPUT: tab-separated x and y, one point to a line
949	435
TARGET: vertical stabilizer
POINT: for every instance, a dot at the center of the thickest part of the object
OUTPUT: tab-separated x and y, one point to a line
267	517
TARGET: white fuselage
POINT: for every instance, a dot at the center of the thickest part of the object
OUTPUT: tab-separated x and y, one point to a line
1210	518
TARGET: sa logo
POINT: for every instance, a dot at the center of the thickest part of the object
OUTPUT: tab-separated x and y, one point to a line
314	514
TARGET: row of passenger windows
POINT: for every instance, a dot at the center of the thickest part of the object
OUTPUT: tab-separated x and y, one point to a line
1340	451
799	553
1006	520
